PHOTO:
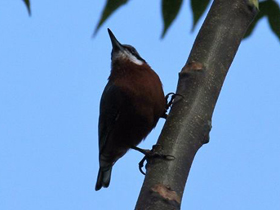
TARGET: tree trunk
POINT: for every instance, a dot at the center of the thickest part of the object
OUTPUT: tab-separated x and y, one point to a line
189	122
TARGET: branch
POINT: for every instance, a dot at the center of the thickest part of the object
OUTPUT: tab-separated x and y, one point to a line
189	122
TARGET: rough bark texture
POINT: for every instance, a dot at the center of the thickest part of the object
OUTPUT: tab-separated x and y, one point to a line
189	122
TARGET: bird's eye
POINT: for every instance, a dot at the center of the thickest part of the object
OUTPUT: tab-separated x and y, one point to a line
134	52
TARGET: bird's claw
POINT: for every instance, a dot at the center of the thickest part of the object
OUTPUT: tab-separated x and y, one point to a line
170	102
153	154
141	164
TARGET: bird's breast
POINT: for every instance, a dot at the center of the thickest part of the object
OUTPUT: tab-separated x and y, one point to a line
143	88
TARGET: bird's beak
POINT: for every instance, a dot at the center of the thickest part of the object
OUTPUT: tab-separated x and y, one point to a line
115	43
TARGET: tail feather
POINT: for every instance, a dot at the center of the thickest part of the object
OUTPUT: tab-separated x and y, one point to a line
103	178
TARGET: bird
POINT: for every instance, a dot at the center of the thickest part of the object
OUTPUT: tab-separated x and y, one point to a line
130	107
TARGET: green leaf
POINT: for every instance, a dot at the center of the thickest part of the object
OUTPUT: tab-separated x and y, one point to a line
170	10
270	9
27	3
254	3
273	14
198	8
110	7
253	24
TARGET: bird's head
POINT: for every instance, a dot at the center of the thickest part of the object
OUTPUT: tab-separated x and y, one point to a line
124	52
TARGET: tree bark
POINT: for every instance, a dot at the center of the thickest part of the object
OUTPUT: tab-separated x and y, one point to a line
189	122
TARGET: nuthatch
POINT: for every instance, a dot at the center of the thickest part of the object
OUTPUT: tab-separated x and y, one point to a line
130	107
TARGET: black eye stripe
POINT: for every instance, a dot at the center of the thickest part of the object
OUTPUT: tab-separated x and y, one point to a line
133	51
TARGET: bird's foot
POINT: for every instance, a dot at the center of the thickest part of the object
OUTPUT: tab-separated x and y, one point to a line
170	102
151	154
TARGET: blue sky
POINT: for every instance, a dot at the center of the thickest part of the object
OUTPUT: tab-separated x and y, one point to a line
52	74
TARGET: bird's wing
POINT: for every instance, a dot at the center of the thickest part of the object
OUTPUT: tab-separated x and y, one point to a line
110	104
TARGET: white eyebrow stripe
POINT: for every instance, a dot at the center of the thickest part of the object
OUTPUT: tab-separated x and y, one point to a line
133	59
129	56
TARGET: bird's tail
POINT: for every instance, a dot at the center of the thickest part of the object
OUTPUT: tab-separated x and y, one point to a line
103	178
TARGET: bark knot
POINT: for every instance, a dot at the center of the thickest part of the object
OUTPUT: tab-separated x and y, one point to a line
167	193
193	66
